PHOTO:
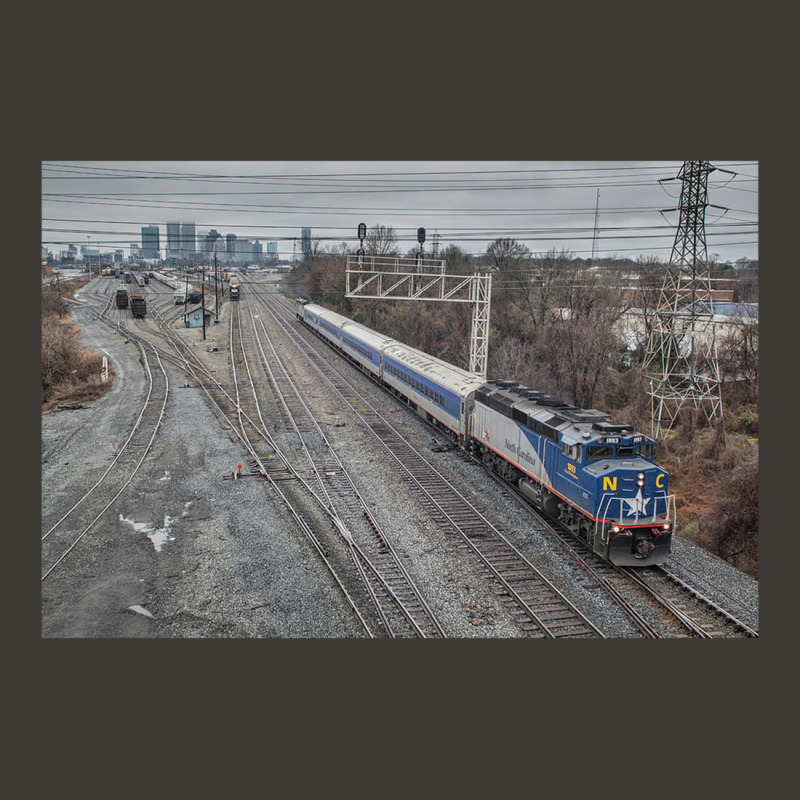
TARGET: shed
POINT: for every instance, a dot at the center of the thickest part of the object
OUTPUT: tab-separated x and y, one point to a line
194	318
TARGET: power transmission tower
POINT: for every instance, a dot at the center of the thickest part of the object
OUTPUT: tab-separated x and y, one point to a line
681	358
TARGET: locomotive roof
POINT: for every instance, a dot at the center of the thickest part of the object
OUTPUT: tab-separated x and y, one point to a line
573	423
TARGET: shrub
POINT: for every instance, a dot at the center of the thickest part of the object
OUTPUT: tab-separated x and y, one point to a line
730	528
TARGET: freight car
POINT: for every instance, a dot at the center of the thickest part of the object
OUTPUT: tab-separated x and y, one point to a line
122	296
596	477
138	305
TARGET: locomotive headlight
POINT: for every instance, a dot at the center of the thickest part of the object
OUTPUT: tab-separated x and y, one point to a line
616	529
666	526
640	483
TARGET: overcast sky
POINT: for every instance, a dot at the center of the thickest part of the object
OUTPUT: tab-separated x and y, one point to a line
541	204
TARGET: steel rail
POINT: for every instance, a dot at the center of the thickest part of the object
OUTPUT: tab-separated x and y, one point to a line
714	608
138	464
349	490
582	626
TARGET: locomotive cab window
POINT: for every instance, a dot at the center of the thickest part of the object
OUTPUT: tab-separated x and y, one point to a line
644	450
625	452
572	451
597	452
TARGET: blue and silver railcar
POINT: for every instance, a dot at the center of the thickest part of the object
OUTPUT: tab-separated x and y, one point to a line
328	324
364	346
443	392
595	476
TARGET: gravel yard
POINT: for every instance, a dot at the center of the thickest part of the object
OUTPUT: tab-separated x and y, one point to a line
187	552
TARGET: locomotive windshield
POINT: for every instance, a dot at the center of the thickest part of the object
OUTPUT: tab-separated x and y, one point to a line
597	452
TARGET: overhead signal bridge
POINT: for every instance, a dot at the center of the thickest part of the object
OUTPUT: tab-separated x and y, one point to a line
392	278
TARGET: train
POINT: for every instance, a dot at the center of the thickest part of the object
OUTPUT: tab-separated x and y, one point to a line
596	477
234	291
138	305
122	296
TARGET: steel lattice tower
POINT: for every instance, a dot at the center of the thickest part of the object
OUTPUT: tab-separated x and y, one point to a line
681	359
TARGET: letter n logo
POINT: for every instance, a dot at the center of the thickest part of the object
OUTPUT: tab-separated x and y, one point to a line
609	483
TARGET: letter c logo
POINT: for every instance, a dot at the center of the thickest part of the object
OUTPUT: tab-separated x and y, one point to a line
660	480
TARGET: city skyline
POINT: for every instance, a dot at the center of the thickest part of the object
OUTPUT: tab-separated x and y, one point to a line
623	209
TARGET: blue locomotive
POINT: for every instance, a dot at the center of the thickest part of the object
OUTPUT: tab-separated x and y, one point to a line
595	476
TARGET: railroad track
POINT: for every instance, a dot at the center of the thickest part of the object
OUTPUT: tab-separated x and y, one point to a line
540	610
686	609
398	602
697	613
400	611
62	537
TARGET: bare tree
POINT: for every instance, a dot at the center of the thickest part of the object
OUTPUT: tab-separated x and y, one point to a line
577	346
381	241
507	257
459	262
737	350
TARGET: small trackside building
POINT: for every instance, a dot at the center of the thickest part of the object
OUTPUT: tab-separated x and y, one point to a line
194	318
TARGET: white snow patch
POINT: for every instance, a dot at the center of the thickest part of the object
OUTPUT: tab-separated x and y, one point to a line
158	536
166	476
140	610
186	509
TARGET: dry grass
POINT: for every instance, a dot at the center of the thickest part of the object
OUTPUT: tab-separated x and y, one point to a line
70	374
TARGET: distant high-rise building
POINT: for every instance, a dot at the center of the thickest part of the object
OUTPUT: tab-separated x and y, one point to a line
305	242
150	246
188	239
272	249
210	240
173	238
230	240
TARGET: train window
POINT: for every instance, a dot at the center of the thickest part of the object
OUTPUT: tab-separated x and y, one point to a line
644	450
597	452
572	451
624	452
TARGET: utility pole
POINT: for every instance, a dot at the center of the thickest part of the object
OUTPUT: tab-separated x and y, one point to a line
594	237
203	296
216	299
681	358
